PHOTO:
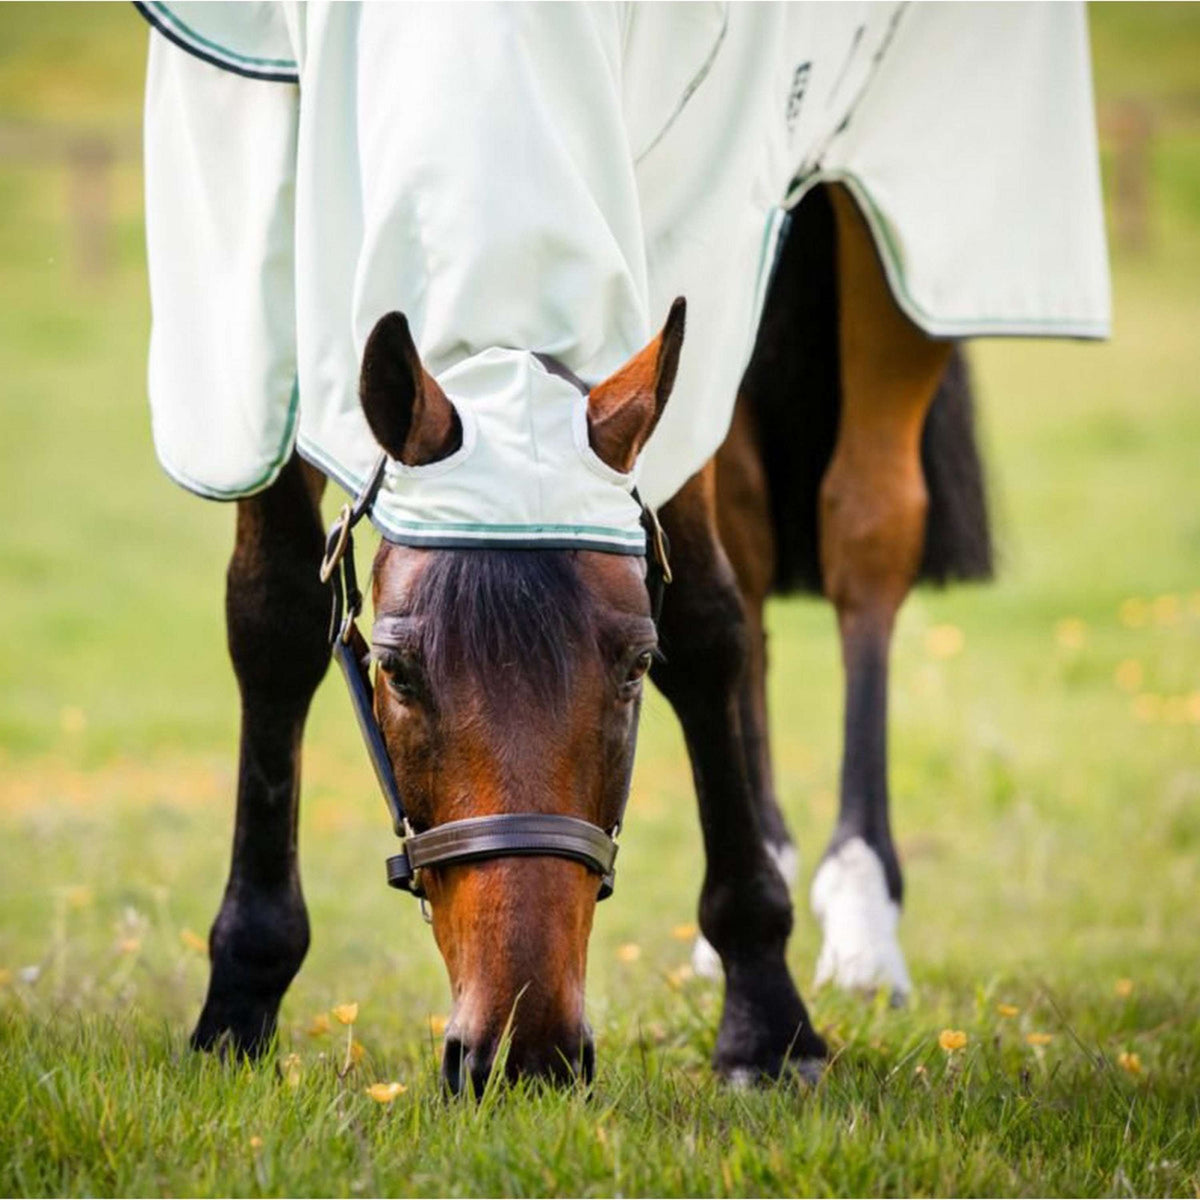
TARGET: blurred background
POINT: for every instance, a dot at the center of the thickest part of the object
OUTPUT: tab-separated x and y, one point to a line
1045	730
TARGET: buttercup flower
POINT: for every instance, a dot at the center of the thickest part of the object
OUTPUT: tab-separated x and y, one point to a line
1039	1039
684	933
1133	613
1007	1010
1127	1060
193	941
1071	633
630	952
944	641
319	1025
952	1039
1129	675
346	1014
385	1093
1124	988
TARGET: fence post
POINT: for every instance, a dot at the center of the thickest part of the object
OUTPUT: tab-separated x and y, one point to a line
90	158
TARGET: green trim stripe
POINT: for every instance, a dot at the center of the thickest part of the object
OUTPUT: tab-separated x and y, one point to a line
353	484
269	475
893	265
185	30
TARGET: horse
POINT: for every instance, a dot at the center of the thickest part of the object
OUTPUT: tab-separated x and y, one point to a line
508	676
512	679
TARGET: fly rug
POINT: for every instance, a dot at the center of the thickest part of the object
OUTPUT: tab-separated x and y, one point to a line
422	251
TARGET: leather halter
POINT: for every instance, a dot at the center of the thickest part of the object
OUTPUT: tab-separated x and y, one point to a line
473	839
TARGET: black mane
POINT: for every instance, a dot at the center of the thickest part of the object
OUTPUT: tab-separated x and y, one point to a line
505	619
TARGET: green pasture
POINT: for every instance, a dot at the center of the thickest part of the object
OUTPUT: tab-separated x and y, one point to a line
1046	780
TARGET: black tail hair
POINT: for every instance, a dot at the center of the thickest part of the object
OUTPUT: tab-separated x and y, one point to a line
793	387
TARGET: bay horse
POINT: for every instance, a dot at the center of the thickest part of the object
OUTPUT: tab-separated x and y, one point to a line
511	680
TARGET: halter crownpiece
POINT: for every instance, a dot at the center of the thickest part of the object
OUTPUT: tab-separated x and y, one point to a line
473	839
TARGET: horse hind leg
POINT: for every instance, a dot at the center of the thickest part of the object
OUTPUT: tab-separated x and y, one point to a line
873	505
277	614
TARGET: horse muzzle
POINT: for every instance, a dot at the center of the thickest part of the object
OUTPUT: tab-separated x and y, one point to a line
563	1059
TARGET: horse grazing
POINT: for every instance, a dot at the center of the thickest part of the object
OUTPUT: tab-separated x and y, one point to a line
529	186
511	680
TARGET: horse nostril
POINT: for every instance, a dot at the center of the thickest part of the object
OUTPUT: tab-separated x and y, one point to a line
453	1056
463	1064
470	1066
587	1061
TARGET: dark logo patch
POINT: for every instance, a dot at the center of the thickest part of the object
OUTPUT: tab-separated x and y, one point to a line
796	92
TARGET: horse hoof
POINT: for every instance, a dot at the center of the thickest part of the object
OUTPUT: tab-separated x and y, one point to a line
804	1071
860	950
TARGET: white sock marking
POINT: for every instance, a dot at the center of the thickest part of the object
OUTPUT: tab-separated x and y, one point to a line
859	919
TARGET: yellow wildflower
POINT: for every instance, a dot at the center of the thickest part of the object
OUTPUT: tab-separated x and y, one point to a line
1071	633
952	1039
684	933
319	1025
630	952
944	641
438	1023
72	719
1007	1010
356	1052
346	1014
679	976
1167	610
1039	1039
1124	988
129	945
193	941
256	1142
1133	613
1127	1060
385	1093
1129	675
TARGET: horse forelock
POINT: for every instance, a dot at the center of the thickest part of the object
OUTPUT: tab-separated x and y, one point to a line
507	622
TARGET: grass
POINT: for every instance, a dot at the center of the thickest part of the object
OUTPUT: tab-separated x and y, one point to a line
1046	780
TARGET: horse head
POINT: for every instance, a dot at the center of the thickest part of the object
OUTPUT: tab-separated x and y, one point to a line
510	681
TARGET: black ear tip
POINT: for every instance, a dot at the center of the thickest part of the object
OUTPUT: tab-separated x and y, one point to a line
677	317
393	326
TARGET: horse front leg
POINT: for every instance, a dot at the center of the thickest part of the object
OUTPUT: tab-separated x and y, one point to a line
277	616
746	534
745	908
872	527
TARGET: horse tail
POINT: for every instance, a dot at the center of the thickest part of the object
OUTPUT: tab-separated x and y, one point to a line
792	387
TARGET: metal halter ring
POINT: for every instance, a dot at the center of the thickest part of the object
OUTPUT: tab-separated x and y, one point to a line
333	555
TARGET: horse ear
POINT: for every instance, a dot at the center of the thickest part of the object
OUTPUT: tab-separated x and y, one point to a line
624	409
405	407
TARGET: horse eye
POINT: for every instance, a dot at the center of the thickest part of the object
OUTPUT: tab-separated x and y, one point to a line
400	675
640	666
